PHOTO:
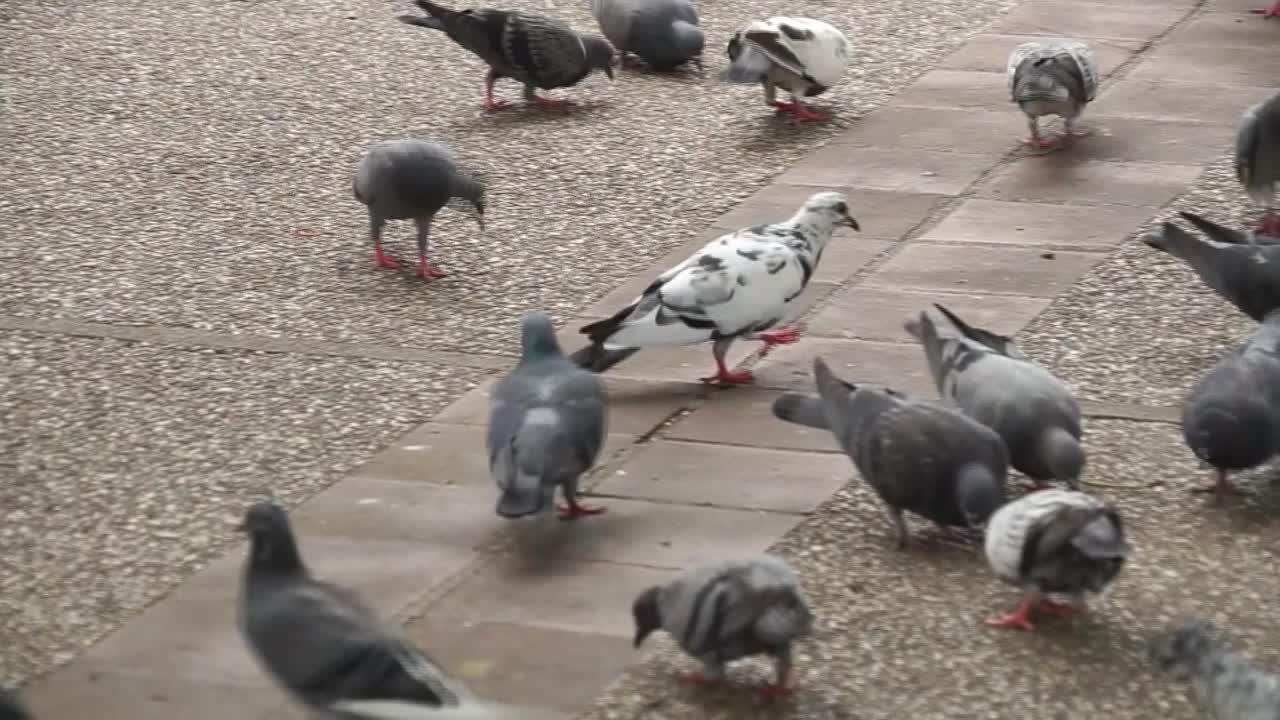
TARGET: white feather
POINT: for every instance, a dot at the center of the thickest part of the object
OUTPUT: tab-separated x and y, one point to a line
824	57
1007	528
1079	51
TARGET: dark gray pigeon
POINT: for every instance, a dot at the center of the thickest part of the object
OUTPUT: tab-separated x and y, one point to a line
547	423
918	456
11	708
1240	268
412	180
988	378
662	33
722	612
1224	683
538	51
1054	542
1258	159
1052	77
318	640
1231	419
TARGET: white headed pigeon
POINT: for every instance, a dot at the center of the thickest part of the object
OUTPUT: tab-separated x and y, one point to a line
737	286
918	456
663	33
1243	269
1224	683
730	610
538	51
1258	159
1056	77
988	377
1051	542
412	180
803	56
546	426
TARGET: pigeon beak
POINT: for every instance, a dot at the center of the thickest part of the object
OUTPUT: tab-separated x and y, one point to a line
848	220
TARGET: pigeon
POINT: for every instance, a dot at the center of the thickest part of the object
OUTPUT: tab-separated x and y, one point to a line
663	33
725	611
803	56
1054	542
412	179
1224	683
989	379
1056	77
538	51
11	708
319	640
918	456
737	286
1258	157
546	426
1231	419
1243	269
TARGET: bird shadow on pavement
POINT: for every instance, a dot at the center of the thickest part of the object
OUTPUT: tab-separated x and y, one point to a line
774	131
547	544
522	113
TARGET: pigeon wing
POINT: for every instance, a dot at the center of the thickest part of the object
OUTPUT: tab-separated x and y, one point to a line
549	52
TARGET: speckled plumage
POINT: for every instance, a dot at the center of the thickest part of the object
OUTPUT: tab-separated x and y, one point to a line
1225	684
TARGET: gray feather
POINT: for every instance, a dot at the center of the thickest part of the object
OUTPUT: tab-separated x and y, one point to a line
663	33
1244	273
1257	151
747	65
801	409
1225	684
11	707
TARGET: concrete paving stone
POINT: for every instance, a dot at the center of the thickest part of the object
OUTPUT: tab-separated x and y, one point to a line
1236	8
1225	30
958	90
877	313
736	418
901	366
1087	21
732	476
1025	223
892	169
970	269
994	132
1209	64
1124	139
882	215
989	52
1167	100
841	261
1058	177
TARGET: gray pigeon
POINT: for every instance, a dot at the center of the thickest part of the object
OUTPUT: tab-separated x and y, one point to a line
663	33
1051	542
319	640
722	612
412	179
546	426
1055	77
1258	159
1232	418
1244	270
11	708
989	378
918	456
538	51
1224	683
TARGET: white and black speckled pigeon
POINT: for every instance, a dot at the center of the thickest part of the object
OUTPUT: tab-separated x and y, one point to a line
1052	77
546	426
412	180
918	456
11	708
1224	683
1054	542
538	51
737	286
722	612
988	377
663	33
319	640
1258	159
803	56
1244	270
1232	418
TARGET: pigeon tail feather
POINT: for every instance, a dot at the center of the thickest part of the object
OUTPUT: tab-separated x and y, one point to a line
426	22
751	66
800	409
1215	231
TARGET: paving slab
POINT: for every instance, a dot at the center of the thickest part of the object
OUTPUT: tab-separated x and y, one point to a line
993	132
742	417
1086	20
897	365
958	89
1208	64
899	169
1168	100
1123	139
1225	30
949	267
989	52
1029	223
104	692
882	214
1062	178
877	313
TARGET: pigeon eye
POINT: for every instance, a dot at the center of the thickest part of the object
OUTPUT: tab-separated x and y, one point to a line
842	208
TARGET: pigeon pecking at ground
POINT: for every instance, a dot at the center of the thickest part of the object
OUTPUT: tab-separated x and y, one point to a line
1257	158
319	640
538	51
1224	683
11	708
412	180
727	611
737	286
546	426
803	56
1056	77
988	377
1244	270
663	33
917	456
1054	542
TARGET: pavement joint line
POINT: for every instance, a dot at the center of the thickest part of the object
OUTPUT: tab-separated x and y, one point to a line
703	505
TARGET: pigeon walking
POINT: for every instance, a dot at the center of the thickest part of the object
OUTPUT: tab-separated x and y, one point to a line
412	179
803	56
663	33
1258	157
538	51
726	611
546	426
737	286
1056	77
1224	683
1244	270
319	640
1054	542
917	456
988	377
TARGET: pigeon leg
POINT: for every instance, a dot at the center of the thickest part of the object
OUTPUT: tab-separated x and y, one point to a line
803	114
1070	130
489	103
1057	609
784	336
572	509
531	95
1270	223
1221	486
723	374
899	526
1021	615
375	232
781	685
426	270
1035	141
712	673
1273	11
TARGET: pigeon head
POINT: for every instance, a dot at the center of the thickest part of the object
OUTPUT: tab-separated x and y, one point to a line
647	614
538	337
271	543
1062	455
600	55
828	208
689	39
1230	438
979	493
1179	652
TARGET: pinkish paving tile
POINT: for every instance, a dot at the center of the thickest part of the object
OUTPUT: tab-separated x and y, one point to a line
989	52
898	365
994	132
970	269
957	90
890	169
1081	20
1061	178
1211	64
875	313
1167	100
1227	30
1026	223
736	418
882	214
